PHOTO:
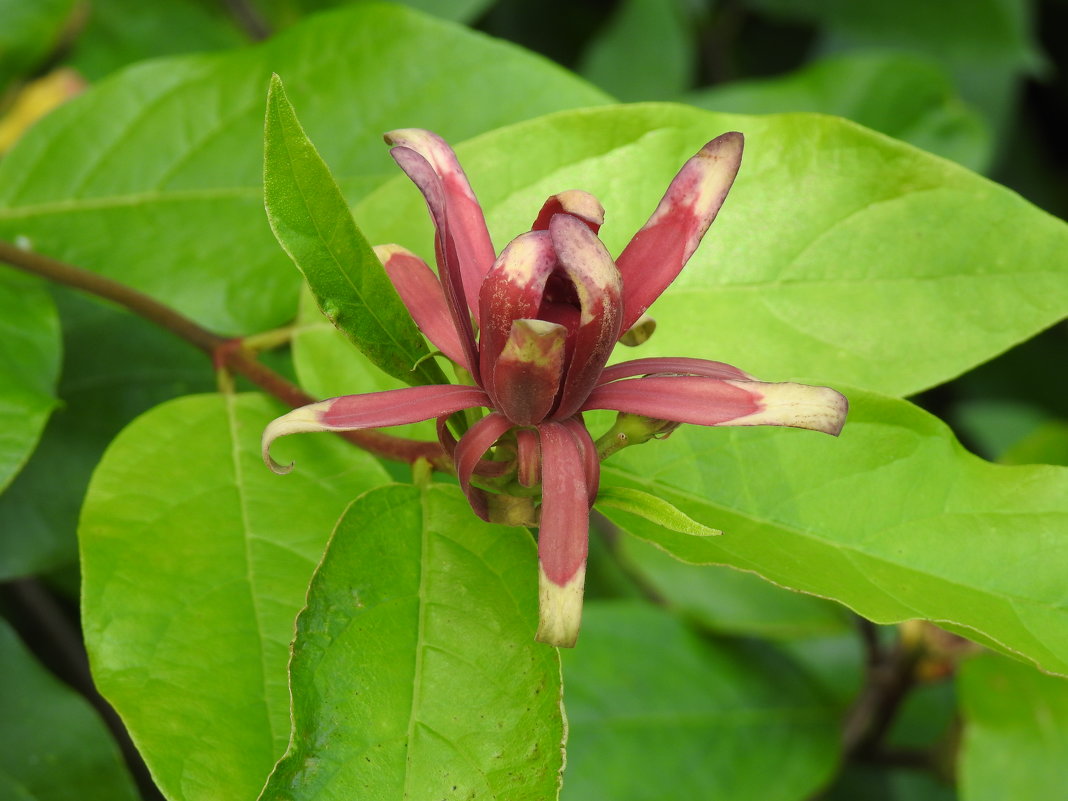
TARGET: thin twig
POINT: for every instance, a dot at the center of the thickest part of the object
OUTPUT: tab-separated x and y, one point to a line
228	353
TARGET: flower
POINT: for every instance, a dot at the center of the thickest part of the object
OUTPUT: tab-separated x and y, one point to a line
534	328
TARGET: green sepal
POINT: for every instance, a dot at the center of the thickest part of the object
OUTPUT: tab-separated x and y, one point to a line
654	509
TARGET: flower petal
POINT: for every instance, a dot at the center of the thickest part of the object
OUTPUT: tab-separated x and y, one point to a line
513	290
452	281
658	252
563	536
374	410
574	202
678	365
591	463
465	238
526	376
469	450
597	283
421	292
715	402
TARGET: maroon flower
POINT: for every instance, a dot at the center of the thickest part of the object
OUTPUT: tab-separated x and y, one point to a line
547	313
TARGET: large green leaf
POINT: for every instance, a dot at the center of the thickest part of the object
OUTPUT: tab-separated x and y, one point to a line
312	222
53	747
29	366
115	366
195	562
1016	731
657	714
839	256
154	176
895	519
731	601
902	95
415	673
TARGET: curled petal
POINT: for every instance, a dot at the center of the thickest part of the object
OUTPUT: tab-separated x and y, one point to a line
374	410
526	376
563	536
716	402
421	292
469	450
597	284
658	252
677	365
574	202
513	290
452	281
462	228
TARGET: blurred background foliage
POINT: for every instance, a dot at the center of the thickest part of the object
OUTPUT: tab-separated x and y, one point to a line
980	82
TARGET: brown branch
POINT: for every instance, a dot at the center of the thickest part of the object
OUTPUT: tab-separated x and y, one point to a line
225	353
890	675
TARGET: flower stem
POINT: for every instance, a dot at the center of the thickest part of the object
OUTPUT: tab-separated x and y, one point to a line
230	354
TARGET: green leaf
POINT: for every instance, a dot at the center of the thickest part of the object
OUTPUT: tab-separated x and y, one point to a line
894	519
905	96
730	601
29	366
195	561
1015	736
415	673
115	367
120	32
655	712
655	510
840	256
312	223
646	51
53	747
30	31
164	158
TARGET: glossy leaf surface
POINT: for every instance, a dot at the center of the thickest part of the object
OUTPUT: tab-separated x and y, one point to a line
656	713
940	533
154	176
415	672
730	601
195	561
839	256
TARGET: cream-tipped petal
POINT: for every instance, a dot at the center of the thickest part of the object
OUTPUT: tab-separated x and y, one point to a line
560	609
306	418
658	252
466	246
574	202
797	406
